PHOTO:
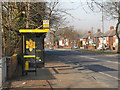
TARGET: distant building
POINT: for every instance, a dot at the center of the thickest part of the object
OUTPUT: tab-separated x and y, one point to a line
64	42
67	42
110	39
87	40
107	40
98	39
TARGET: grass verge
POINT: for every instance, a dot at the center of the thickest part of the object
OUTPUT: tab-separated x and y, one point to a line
107	52
98	51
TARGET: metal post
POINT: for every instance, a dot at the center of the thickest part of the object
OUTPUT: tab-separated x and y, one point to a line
0	73
102	28
0	30
3	71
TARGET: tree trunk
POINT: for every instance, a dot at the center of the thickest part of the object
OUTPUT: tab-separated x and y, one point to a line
118	46
3	47
117	34
28	8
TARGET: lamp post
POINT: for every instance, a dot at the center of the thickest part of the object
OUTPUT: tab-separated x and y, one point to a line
102	28
119	6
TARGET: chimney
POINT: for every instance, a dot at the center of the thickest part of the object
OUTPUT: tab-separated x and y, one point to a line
89	32
98	30
111	28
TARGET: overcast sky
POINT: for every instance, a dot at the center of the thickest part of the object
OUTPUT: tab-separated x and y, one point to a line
86	20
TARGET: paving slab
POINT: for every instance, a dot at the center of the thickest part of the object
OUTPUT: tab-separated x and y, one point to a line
48	78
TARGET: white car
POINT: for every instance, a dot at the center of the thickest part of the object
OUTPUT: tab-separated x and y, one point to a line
51	47
75	47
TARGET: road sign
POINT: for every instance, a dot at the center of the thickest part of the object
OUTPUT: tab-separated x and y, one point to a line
45	23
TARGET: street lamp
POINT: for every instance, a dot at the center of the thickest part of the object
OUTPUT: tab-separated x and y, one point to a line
102	28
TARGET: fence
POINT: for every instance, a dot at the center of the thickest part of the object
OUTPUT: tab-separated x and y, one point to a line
3	71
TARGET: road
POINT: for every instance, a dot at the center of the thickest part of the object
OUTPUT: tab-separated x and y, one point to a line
72	69
102	67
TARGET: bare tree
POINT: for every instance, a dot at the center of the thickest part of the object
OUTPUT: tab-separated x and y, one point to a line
57	17
17	15
68	33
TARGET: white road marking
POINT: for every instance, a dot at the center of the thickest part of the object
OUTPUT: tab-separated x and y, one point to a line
100	59
113	62
109	75
95	58
105	61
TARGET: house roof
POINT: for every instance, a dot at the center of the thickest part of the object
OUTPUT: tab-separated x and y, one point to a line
110	33
98	34
87	35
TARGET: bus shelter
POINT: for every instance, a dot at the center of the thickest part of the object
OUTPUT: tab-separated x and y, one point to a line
33	48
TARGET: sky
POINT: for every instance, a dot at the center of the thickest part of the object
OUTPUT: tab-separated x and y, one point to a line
85	19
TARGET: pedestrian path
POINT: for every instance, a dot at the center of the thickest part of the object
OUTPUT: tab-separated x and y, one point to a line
55	75
0	73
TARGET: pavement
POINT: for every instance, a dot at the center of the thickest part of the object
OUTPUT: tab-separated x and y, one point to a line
72	69
0	73
57	76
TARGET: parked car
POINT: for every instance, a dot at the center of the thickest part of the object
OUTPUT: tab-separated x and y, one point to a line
76	47
51	47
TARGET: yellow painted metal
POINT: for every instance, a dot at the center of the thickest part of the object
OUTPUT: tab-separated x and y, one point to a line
14	54
29	56
40	60
43	21
37	57
23	44
26	65
45	25
34	30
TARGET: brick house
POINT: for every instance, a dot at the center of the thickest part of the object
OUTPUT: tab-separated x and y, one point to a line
87	40
64	42
110	39
107	40
98	39
67	42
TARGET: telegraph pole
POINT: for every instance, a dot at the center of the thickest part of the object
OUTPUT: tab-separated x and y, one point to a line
102	28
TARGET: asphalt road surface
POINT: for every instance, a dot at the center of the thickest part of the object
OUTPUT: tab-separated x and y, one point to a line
101	67
72	69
